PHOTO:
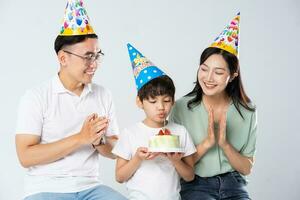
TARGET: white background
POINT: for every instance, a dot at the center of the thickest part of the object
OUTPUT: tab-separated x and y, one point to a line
172	33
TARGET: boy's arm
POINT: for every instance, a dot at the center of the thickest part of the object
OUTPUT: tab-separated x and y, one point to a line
184	166
126	168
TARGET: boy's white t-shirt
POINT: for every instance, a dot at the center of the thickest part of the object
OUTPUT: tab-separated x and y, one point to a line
52	112
154	179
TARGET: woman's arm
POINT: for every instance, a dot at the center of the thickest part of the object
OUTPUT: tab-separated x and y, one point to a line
240	163
202	148
209	141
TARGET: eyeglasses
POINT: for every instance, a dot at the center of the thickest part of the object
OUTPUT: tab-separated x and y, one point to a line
90	58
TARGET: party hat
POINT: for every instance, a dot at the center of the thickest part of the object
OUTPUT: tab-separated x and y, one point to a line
143	69
76	20
229	37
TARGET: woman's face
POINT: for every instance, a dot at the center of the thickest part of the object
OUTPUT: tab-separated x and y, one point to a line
214	75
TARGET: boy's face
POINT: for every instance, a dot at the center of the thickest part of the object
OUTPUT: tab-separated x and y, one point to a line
156	109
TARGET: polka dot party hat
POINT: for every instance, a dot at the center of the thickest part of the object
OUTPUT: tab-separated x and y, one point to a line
76	20
143	69
229	37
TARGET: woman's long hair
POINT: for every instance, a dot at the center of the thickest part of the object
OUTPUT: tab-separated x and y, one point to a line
234	89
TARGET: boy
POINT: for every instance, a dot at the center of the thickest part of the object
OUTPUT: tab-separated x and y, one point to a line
152	176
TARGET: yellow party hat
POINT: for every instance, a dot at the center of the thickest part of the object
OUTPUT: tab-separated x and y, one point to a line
229	37
76	20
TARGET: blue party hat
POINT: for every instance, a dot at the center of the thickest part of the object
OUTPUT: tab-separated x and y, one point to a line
143	69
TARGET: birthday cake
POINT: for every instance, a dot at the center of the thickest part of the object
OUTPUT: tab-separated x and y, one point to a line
164	141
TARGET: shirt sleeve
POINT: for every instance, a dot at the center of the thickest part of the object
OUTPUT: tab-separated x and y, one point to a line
30	115
122	148
189	147
250	147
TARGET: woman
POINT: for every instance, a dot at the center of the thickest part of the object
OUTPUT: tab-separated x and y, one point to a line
222	122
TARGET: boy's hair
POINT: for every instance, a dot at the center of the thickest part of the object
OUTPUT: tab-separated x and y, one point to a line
62	41
162	85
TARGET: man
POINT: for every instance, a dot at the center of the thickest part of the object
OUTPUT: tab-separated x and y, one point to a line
64	123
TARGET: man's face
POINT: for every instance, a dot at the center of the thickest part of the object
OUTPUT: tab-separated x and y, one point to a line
81	60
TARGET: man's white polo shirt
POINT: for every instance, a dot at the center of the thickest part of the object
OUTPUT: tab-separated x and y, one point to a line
53	113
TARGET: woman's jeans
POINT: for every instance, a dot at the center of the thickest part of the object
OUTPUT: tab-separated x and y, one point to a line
100	192
230	186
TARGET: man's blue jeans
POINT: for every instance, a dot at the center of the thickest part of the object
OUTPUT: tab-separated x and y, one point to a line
100	192
229	186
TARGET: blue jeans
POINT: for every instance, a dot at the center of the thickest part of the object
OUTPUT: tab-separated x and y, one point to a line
100	192
229	186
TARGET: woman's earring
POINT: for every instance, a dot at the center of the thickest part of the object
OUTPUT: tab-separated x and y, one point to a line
233	77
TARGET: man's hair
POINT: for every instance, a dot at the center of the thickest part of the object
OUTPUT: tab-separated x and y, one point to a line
62	41
162	85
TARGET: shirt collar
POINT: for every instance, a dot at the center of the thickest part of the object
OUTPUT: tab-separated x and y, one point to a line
58	87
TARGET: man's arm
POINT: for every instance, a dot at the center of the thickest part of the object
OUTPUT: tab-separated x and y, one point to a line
105	149
31	152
